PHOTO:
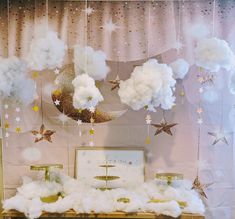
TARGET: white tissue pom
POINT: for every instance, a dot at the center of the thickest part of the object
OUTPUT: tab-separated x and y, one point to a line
91	62
151	85
180	68
31	154
14	83
86	94
46	52
214	54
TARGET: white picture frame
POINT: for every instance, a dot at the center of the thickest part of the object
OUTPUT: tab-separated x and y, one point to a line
127	163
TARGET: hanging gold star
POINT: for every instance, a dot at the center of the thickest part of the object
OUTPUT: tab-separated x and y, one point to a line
219	136
35	108
6	125
164	127
42	134
57	92
18	129
35	75
199	187
115	83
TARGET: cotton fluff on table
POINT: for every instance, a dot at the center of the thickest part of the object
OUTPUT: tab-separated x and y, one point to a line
83	199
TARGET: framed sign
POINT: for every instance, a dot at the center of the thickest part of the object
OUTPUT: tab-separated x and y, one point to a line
110	167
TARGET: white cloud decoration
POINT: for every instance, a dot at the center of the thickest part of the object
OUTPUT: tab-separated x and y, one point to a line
91	62
213	54
86	94
151	85
180	68
31	154
14	83
46	52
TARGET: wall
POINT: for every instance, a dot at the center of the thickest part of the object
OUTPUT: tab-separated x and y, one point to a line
165	153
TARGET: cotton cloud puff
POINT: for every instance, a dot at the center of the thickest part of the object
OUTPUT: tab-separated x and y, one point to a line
91	62
198	30
84	199
14	83
214	54
46	52
151	85
86	94
180	68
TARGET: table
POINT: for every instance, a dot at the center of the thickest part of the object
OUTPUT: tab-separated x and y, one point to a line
114	215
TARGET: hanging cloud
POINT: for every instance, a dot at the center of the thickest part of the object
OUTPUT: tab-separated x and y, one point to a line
86	94
91	62
180	68
14	83
198	30
46	52
214	54
150	85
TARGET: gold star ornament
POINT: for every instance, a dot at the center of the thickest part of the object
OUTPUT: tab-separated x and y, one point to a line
42	134
164	127
199	187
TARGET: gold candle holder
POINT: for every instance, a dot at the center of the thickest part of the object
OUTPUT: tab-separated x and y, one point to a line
46	168
169	177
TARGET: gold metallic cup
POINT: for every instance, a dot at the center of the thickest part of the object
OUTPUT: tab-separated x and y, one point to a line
169	177
46	168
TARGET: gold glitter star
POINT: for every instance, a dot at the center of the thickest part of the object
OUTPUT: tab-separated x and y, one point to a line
164	127
199	187
57	92
35	75
92	131
116	83
219	136
18	129
35	108
42	134
6	125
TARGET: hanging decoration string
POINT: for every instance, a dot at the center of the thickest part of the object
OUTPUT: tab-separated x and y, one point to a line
148	116
213	18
